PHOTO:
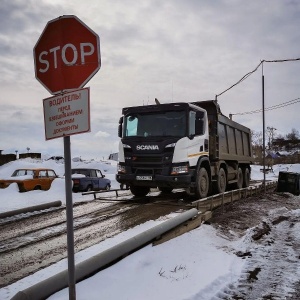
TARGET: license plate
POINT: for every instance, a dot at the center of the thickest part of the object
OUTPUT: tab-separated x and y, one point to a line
143	177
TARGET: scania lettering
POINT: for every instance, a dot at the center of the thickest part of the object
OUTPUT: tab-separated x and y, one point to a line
147	147
182	145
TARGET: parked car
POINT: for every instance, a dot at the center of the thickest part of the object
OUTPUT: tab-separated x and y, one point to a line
85	179
30	179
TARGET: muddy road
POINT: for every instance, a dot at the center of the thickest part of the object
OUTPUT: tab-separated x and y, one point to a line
30	244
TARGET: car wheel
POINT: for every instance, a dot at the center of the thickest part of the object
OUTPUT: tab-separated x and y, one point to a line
89	188
37	188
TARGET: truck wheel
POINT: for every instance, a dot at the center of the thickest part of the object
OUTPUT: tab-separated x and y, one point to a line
166	190
240	180
221	183
202	183
246	177
139	191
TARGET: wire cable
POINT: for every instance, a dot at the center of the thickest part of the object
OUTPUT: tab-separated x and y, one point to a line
251	72
281	105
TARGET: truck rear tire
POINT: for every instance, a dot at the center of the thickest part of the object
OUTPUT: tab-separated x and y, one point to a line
240	179
139	191
202	183
221	184
246	177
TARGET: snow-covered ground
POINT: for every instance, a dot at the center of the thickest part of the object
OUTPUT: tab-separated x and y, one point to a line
11	199
196	265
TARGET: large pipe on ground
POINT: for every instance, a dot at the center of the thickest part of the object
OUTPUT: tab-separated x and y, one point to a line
30	209
83	270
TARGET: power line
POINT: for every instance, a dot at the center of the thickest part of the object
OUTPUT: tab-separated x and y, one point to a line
281	105
253	71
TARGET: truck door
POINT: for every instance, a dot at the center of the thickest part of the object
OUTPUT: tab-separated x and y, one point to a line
198	131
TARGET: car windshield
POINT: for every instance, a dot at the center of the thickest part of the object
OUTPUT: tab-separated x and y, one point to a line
165	123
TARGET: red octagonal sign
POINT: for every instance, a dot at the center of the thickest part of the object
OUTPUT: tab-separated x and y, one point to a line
67	55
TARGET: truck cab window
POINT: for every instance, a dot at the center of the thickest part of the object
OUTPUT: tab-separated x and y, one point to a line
165	123
131	125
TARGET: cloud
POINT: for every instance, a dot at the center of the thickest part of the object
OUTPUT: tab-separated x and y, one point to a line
172	50
102	134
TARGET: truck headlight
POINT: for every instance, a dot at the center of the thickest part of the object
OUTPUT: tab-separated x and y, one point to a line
181	169
121	169
171	145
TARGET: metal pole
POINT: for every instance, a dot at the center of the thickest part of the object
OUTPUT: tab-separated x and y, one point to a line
69	213
263	111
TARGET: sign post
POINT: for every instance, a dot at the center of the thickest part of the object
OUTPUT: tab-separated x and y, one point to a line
66	57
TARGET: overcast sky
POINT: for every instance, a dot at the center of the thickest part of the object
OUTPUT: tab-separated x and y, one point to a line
173	50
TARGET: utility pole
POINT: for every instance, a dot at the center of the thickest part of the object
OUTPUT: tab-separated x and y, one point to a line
263	112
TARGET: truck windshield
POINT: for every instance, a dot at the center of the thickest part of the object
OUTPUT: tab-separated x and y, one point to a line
165	123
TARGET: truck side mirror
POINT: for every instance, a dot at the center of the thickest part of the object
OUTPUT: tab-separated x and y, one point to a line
120	128
192	129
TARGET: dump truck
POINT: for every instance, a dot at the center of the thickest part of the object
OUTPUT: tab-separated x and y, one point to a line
182	145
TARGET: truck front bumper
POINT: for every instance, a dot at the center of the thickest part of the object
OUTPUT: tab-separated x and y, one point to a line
179	181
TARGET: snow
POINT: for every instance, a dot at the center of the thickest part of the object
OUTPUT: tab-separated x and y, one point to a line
57	192
196	265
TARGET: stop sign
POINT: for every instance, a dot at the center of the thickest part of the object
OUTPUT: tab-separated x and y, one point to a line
67	55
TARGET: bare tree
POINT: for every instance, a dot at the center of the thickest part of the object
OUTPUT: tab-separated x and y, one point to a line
270	134
293	135
257	144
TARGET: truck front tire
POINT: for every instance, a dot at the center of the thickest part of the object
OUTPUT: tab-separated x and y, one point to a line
166	190
139	191
202	183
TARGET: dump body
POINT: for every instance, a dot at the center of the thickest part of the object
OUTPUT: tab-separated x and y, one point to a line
228	140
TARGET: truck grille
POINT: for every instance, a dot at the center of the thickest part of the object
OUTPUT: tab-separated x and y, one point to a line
144	164
149	164
147	159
